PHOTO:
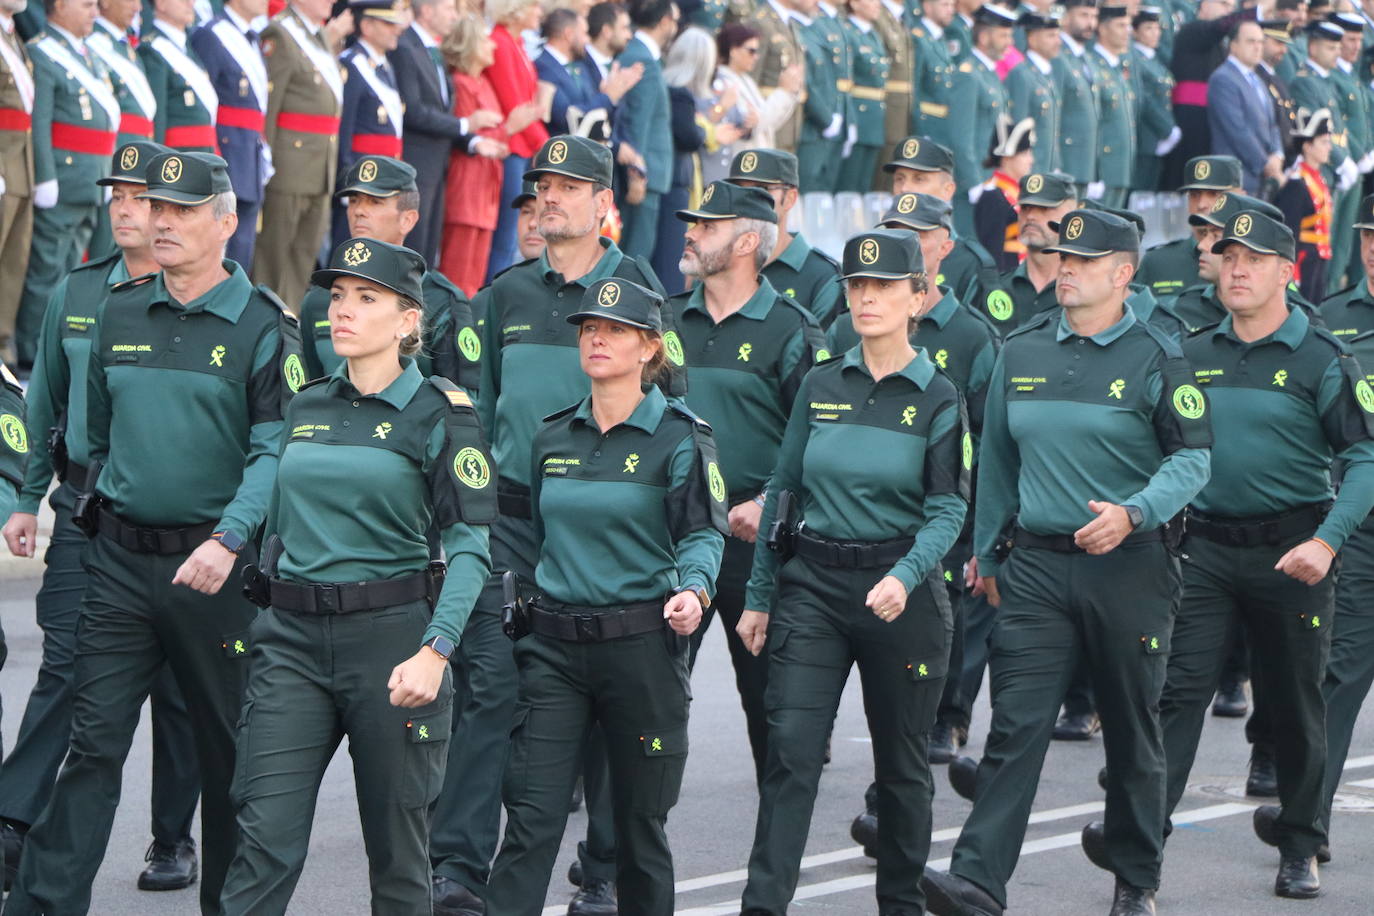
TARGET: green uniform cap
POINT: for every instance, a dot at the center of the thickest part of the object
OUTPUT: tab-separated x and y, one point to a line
527	192
887	254
190	179
1212	173
1277	29
1258	232
921	154
397	268
1093	234
1228	205
130	162
1129	216
770	166
377	176
1365	218
1047	189
622	301
723	200
576	157
921	212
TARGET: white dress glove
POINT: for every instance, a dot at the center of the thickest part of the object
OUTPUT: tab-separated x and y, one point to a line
45	194
833	131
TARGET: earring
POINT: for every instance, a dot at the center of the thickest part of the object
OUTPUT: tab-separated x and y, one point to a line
644	359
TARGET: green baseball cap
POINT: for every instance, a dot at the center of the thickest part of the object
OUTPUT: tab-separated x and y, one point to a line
189	179
921	154
527	192
921	212
885	254
767	166
1365	218
575	157
1094	234
1129	216
395	267
1228	205
1258	232
724	200
377	176
1212	173
130	162
1047	189
620	300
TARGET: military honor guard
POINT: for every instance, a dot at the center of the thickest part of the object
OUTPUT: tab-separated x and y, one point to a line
869	92
994	205
899	46
186	99
16	170
1351	75
1156	132
230	49
828	82
113	40
1073	75
980	99
933	71
1306	202
779	48
1031	86
1116	104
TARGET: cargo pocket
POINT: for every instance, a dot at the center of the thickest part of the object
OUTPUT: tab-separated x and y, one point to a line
1155	646
657	782
926	675
426	753
515	779
243	751
236	647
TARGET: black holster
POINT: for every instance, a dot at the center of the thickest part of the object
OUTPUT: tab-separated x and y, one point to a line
256	579
782	534
86	509
515	618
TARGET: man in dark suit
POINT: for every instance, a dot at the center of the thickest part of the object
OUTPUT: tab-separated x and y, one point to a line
431	130
1277	41
229	48
1241	113
644	115
578	83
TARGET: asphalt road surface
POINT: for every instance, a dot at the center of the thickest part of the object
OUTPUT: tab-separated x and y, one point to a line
1213	864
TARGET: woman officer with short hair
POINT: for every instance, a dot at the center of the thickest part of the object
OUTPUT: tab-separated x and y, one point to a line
876	456
629	509
356	632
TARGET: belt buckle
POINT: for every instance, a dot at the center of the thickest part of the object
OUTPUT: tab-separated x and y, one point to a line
587	627
148	540
327	598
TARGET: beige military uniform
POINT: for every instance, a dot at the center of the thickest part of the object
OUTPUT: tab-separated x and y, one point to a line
779	48
897	40
304	99
16	167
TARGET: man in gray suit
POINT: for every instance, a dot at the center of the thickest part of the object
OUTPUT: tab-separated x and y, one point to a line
1241	113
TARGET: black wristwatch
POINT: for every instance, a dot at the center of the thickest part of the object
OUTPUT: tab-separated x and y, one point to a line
229	541
1135	515
442	646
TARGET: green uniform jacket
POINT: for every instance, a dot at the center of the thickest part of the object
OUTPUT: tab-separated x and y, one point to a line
810	277
1312	90
452	345
959	38
418	447
62	101
1349	312
710	15
1112	417
1034	95
1077	117
932	83
1154	90
1354	111
870	63
136	98
827	73
14	440
872	461
183	121
1283	408
1116	126
209	454
650	488
1170	268
978	99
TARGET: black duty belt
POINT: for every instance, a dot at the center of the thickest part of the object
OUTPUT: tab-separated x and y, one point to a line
595	624
153	540
75	476
512	499
1261	531
1064	543
851	554
348	597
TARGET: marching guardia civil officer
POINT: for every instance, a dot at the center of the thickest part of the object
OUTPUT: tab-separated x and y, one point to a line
1094	437
1351	311
383	203
748	347
1287	399
1198	305
189	377
1045	199
629	506
357	629
1170	268
876	456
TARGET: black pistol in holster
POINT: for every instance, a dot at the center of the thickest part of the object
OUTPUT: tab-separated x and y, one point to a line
57	446
782	533
257	579
1006	539
515	618
1174	531
86	509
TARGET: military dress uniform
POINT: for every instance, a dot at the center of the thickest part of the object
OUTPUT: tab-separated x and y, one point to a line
371	120
1031	87
418	446
779	48
863	516
1116	126
75	119
932	82
979	99
1057	403
186	99
305	92
1171	267
599	651
828	82
1357	141
871	68
743	377
16	167
1307	205
1154	89
1078	114
232	357
899	49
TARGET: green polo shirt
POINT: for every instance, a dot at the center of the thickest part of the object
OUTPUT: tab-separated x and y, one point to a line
872	461
1072	419
809	278
744	376
970	271
1026	303
1149	309
364	477
185	402
649	488
1170	268
452	346
1350	312
57	388
1198	307
15	442
1283	407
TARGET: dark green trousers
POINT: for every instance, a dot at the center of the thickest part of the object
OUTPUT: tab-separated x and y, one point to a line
856	169
312	681
60	236
1115	610
818	631
818	165
1350	665
26	778
636	689
133	622
1288	627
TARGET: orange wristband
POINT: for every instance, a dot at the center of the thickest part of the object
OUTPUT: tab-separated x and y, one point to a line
1326	545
